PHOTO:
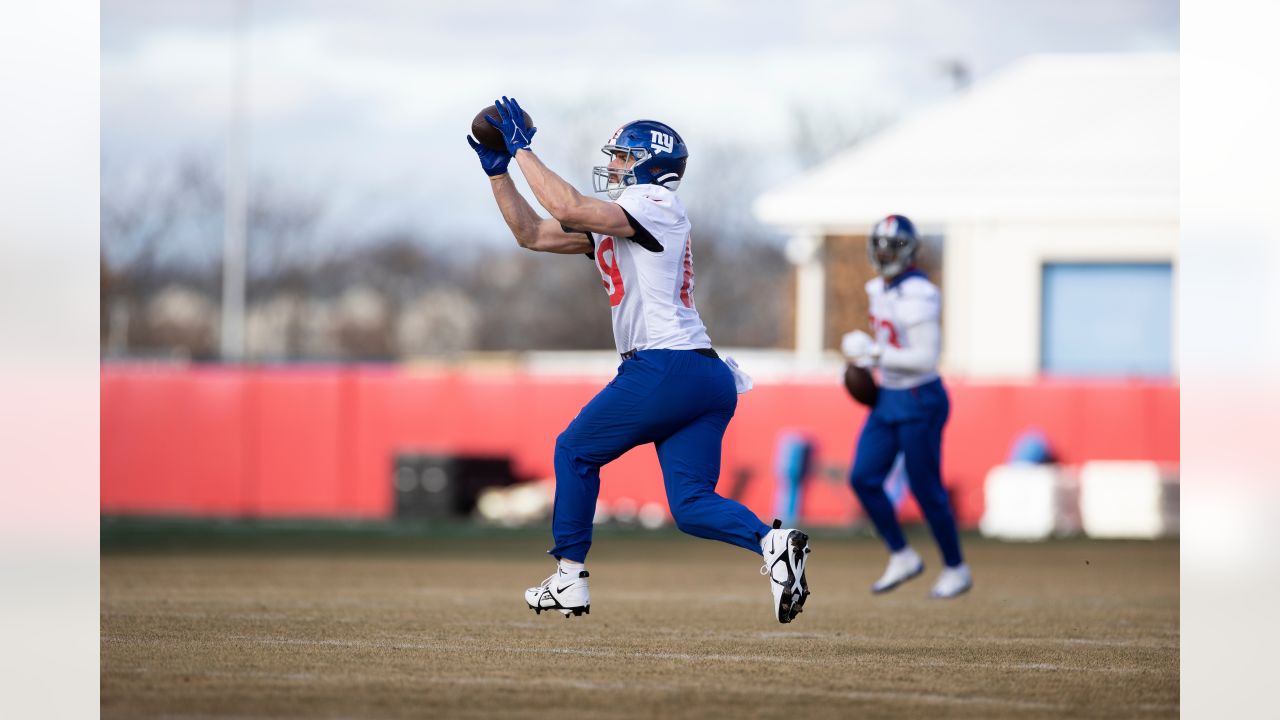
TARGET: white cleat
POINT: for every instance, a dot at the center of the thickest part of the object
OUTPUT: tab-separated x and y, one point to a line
786	554
952	582
903	565
565	592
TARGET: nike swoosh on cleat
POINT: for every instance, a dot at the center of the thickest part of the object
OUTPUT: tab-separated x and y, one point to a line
566	587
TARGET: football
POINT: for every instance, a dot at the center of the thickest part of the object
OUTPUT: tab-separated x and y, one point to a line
861	385
488	135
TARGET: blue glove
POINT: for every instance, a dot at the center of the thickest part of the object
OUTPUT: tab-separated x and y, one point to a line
511	124
493	161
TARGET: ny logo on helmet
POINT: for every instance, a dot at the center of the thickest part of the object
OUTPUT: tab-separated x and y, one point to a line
662	142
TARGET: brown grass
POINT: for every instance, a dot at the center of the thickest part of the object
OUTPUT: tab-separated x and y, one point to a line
679	628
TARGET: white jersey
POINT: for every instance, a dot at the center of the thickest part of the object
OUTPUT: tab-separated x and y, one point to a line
650	285
911	300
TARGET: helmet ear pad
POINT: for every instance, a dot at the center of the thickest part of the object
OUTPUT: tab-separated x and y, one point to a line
673	175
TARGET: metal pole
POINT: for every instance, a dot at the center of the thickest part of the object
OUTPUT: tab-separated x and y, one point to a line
235	212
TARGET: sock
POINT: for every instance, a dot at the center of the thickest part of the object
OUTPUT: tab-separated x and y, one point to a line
763	538
569	567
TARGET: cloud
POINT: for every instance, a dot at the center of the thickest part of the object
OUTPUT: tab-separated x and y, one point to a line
374	97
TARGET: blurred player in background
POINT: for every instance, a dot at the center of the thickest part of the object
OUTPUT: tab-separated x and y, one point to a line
910	410
672	389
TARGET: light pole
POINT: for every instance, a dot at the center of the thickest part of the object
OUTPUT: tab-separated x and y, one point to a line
236	192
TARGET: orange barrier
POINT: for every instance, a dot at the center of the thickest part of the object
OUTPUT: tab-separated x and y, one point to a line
318	442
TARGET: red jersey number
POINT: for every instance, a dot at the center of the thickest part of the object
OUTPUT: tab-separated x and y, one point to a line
890	331
610	275
686	289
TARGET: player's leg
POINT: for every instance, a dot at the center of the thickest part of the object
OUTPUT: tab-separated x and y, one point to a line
873	459
921	442
690	458
652	395
612	423
617	419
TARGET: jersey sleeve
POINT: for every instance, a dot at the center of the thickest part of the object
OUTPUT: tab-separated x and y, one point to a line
591	254
654	214
920	302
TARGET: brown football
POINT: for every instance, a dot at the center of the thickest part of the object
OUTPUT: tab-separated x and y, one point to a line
861	385
488	135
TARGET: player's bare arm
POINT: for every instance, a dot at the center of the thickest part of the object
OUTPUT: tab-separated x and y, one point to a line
570	207
530	230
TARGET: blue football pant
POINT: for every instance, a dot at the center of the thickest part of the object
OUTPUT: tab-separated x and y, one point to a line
909	421
681	402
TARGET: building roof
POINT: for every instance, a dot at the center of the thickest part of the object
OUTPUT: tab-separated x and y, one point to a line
1062	137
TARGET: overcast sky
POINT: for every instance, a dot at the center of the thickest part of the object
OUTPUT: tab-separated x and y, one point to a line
366	104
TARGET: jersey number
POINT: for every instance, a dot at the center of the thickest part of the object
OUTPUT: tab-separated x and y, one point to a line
686	289
878	325
610	275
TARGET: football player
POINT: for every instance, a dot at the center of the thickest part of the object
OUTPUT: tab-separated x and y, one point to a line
910	410
672	389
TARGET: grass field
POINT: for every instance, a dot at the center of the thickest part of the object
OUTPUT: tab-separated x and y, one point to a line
386	627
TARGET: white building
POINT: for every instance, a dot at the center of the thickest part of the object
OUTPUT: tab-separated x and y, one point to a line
1054	188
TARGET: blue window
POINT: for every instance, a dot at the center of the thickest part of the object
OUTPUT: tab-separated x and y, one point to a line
1111	319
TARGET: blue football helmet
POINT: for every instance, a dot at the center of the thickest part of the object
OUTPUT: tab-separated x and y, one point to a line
892	245
654	155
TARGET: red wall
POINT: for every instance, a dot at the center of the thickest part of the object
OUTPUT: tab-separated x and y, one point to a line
290	442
